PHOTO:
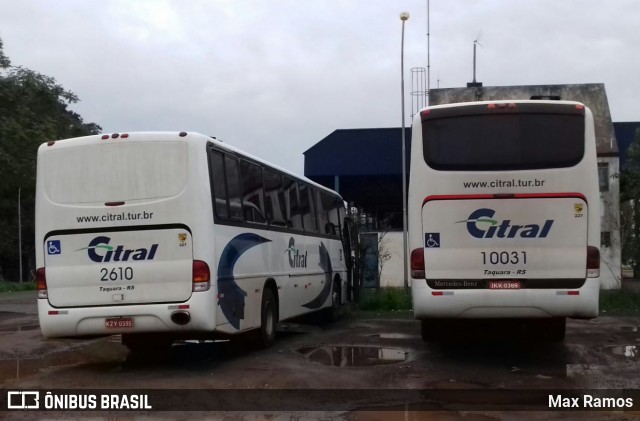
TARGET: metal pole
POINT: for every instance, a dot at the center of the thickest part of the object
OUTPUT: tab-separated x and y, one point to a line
20	233
403	16
428	57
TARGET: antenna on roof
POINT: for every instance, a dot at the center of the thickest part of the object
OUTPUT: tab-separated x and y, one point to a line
475	84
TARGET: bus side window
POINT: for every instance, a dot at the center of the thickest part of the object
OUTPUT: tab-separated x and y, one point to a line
233	187
321	212
333	205
221	205
274	210
252	192
292	208
308	210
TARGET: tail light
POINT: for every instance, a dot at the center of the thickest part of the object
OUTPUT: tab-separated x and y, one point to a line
417	263
201	276
593	262
41	283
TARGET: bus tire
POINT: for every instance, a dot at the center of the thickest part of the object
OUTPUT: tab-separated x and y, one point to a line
332	313
556	329
427	330
266	336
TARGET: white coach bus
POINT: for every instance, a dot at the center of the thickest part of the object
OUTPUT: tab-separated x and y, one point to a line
504	214
165	236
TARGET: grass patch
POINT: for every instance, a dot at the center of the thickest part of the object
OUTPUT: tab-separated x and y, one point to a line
385	299
617	301
6	286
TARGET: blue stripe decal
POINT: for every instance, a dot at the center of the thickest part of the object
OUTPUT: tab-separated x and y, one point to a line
325	264
231	295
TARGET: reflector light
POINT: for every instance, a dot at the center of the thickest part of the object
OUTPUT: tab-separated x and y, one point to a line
124	136
105	136
200	271
579	107
593	262
417	263
53	312
573	292
41	279
491	106
437	293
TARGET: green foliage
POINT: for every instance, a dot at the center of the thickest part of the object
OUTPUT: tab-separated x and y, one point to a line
385	299
16	286
619	301
33	110
630	191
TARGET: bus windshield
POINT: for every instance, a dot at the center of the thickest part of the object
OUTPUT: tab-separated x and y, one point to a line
503	141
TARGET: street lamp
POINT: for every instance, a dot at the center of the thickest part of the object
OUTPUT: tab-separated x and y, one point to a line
20	232
403	17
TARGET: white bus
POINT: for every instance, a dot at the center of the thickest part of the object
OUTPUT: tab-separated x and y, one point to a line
165	236
504	214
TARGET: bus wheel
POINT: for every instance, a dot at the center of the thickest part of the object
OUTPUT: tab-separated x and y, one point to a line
268	320
332	313
427	330
556	328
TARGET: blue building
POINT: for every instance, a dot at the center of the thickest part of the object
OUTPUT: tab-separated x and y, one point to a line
365	167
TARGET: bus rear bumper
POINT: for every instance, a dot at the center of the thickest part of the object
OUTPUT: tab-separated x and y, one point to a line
91	321
579	303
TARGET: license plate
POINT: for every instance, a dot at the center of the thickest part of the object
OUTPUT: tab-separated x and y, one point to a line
504	284
120	322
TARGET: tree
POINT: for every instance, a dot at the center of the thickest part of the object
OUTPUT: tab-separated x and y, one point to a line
630	215
33	109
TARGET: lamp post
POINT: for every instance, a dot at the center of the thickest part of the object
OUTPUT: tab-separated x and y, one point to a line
403	17
20	232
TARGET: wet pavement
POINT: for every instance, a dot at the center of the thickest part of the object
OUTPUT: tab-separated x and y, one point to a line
352	356
372	354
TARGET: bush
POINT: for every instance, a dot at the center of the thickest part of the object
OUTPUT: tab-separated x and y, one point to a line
385	299
619	301
6	286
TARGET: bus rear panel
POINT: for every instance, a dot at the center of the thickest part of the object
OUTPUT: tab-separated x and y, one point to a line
116	248
504	211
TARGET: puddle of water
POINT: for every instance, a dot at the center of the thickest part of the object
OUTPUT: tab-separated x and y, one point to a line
393	336
629	328
19	328
588	370
629	351
353	356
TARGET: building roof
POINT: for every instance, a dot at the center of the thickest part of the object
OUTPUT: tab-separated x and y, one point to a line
358	152
593	95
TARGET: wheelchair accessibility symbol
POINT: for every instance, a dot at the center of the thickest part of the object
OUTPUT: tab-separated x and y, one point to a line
53	247
432	240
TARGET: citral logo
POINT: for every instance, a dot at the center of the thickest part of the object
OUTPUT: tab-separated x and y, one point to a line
296	260
481	224
117	254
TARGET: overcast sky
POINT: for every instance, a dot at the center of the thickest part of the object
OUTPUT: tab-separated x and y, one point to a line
273	77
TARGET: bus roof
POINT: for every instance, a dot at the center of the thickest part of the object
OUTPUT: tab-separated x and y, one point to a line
165	136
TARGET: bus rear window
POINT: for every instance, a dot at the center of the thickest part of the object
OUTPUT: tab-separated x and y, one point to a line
115	172
514	141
